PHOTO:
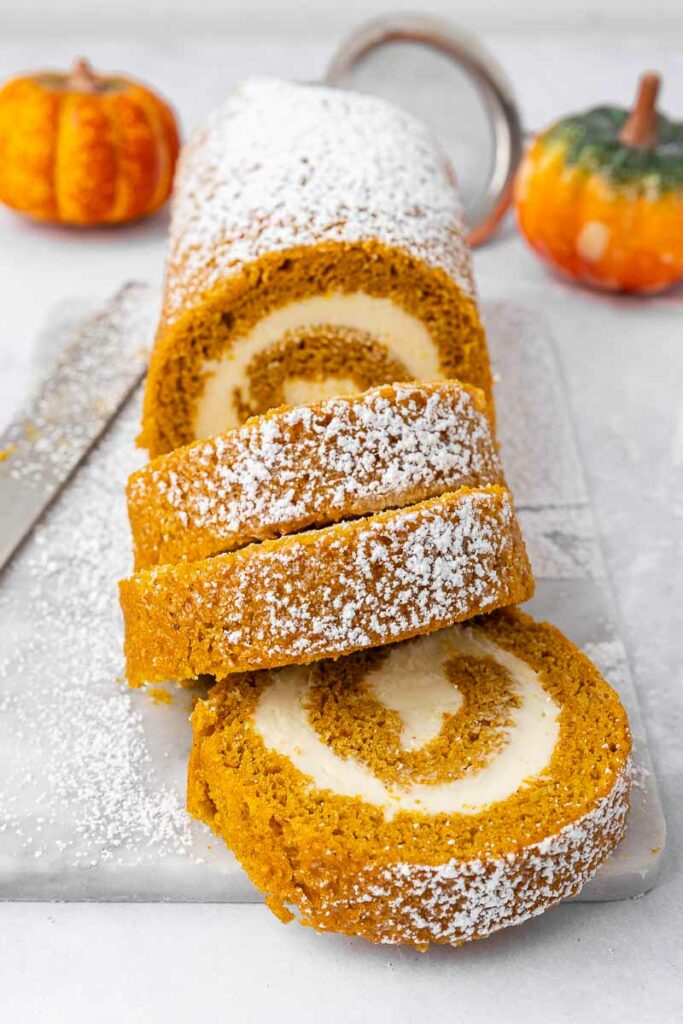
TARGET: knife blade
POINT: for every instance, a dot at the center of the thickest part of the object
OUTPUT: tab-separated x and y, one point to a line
43	446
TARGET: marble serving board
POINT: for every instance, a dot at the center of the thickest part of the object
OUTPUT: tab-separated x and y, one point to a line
92	775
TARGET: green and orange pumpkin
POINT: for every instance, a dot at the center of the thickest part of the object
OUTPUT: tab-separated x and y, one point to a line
84	148
599	196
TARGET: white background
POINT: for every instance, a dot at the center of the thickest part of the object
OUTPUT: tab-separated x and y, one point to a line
296	16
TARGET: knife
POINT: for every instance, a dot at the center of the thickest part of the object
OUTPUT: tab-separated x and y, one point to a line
42	448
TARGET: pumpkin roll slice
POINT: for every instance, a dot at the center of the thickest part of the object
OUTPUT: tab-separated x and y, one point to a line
323	593
317	248
431	791
309	466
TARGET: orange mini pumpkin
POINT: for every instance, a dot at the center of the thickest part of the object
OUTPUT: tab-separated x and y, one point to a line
600	196
84	148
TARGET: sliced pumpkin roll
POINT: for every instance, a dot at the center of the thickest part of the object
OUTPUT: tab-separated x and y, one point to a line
311	465
432	791
317	247
324	593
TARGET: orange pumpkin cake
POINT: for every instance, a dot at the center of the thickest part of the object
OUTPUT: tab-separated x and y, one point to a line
323	593
432	791
309	466
317	247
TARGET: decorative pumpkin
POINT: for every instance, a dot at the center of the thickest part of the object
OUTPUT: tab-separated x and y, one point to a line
600	196
84	148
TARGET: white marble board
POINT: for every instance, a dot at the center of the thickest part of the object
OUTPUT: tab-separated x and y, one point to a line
92	774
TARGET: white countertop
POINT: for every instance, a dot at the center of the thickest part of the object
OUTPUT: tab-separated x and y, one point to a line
623	362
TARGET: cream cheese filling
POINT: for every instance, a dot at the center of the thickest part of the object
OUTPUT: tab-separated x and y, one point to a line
404	335
417	689
422	695
299	390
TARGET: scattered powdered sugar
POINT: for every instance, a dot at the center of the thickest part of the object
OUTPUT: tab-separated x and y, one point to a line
80	790
76	750
321	463
461	900
358	585
281	165
433	567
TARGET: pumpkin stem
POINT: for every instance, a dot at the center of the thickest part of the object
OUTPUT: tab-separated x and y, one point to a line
82	78
640	130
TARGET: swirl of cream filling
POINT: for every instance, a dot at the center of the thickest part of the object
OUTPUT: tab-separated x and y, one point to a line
412	682
404	336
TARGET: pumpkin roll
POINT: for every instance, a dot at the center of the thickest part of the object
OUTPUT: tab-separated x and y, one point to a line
431	791
311	465
317	248
323	593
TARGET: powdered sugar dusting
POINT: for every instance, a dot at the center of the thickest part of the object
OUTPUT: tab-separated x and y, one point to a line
461	900
281	165
425	561
343	588
84	753
312	465
78	786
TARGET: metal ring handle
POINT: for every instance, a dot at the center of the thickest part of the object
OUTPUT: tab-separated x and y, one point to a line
467	52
